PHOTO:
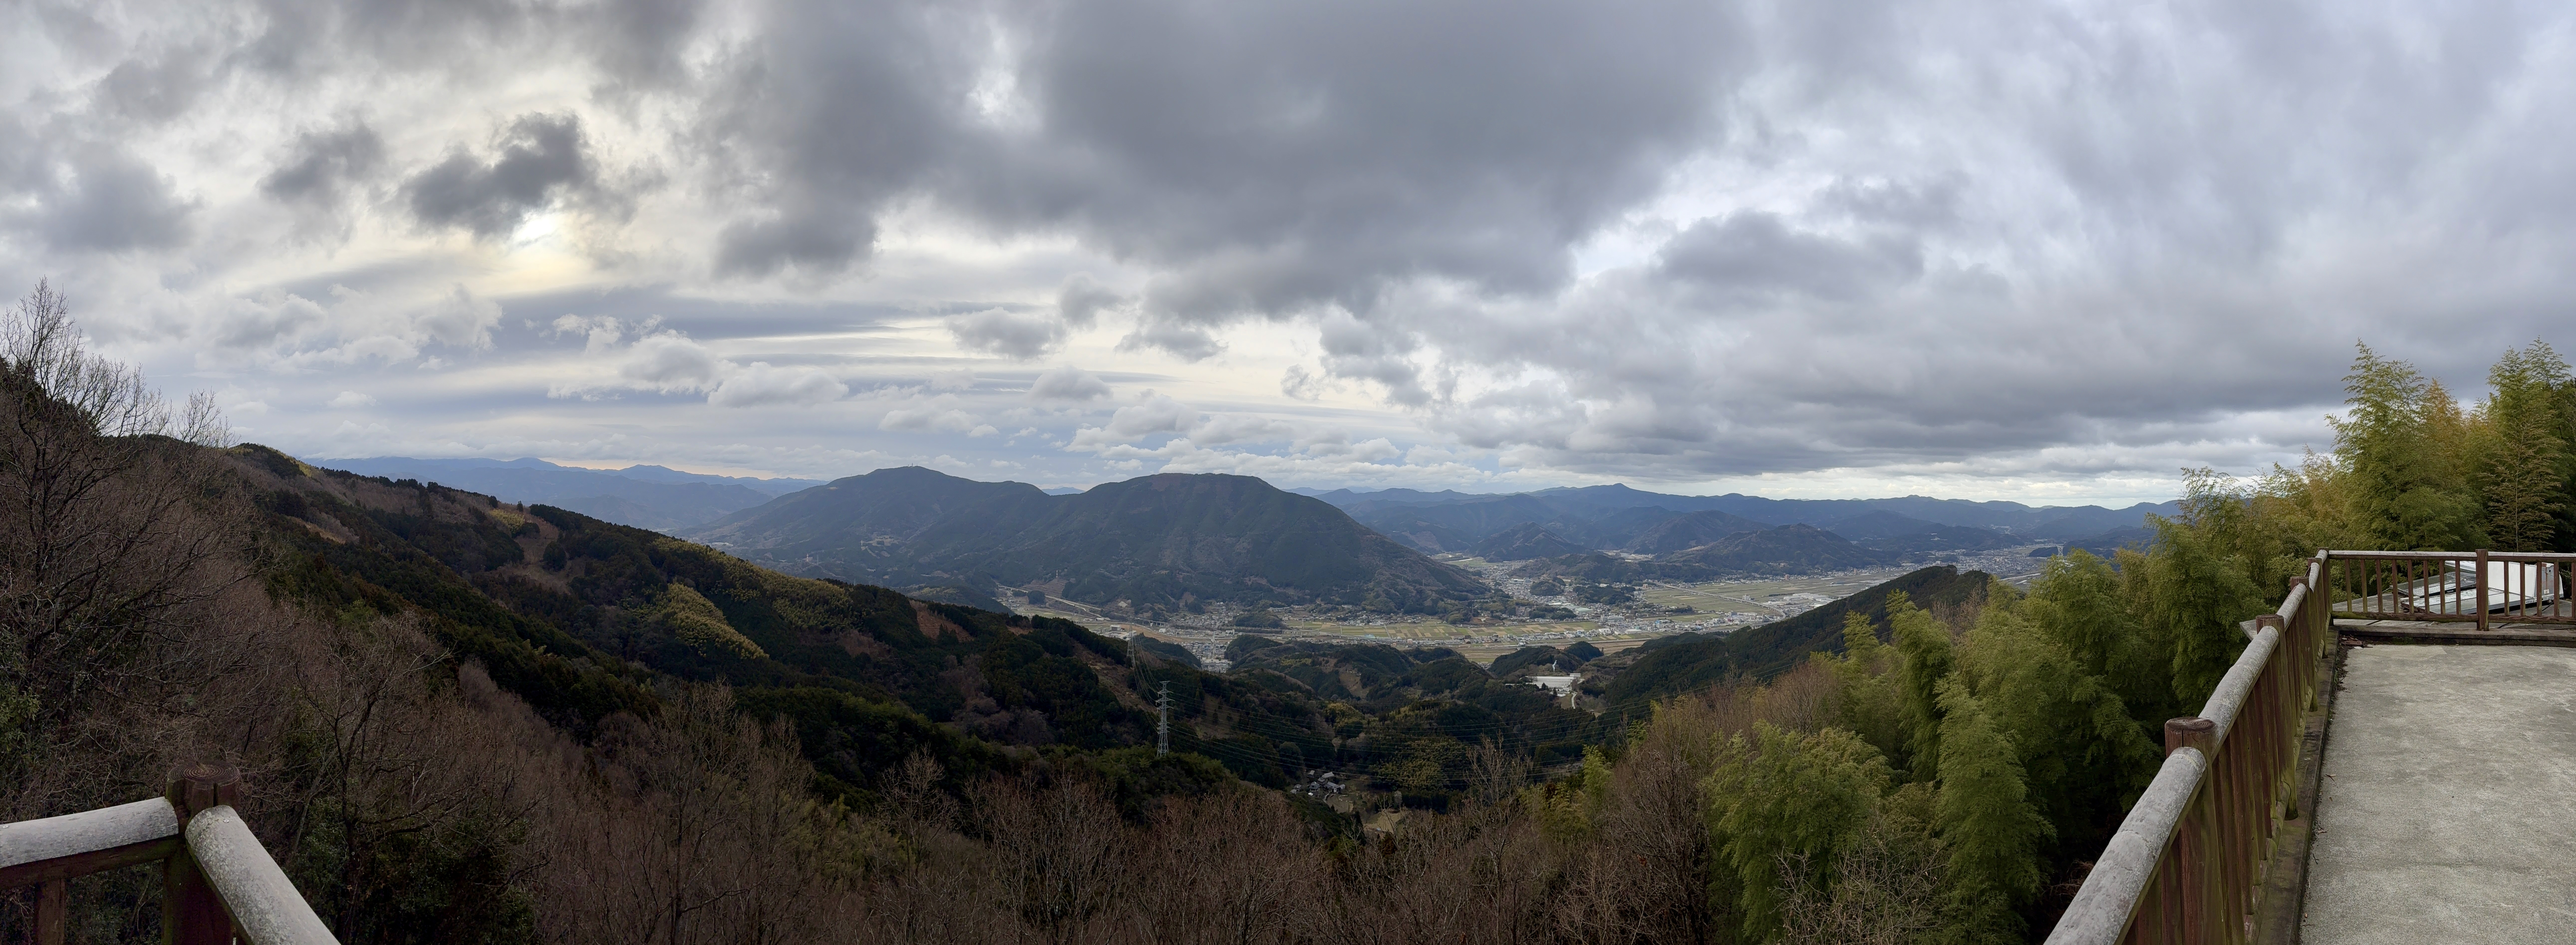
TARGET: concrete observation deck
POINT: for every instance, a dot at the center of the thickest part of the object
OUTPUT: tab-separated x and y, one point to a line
2448	808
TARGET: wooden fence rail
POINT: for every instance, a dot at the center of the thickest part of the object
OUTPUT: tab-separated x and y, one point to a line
2186	865
2452	586
218	883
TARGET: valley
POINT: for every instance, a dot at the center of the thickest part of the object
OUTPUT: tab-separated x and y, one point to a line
1660	609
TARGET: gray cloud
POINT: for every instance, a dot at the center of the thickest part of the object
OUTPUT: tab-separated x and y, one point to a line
542	158
1082	300
640	41
309	37
322	165
152	92
102	197
1068	383
831	111
1021	335
1273	158
1757	254
1285	156
1652	239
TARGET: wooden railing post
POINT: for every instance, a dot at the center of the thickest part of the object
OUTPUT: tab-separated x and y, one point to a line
2482	589
52	908
2193	871
191	913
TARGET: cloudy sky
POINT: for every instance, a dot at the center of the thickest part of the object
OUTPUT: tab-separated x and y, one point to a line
2040	251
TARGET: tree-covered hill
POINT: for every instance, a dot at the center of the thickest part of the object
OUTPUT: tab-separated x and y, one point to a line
643	496
1523	542
1939	538
1687	530
1878	524
1157	543
1788	549
1773	648
586	619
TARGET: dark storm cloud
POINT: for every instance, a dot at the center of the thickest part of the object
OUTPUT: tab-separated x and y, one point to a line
324	164
832	111
542	158
1277	156
1975	229
1266	157
1643	238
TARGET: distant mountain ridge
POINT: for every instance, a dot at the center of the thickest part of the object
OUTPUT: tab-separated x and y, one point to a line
1788	549
1155	543
1617	517
642	496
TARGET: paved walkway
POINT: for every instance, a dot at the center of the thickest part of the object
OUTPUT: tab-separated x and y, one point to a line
2448	810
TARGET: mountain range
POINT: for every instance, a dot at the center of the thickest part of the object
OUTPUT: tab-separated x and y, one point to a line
1181	541
1151	544
1619	518
654	497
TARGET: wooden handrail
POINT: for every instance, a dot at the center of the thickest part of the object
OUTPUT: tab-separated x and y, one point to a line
217	880
2481	587
2186	865
264	905
2456	555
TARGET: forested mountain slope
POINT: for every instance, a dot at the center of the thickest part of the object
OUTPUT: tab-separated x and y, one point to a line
1158	542
1686	530
1773	648
1524	542
643	496
1788	549
578	615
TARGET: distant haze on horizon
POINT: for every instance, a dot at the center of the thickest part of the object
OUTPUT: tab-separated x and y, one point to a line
366	464
2046	253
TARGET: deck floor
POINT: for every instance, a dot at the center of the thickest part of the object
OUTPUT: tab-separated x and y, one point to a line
2448	810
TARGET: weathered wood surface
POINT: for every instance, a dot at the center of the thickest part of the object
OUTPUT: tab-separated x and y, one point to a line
265	906
2099	914
36	851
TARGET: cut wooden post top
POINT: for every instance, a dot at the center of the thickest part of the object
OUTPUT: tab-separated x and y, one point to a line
2190	732
196	787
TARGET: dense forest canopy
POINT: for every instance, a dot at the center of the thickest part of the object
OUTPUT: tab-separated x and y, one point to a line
465	721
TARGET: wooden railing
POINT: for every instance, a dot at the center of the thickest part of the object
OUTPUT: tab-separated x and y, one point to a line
2484	587
218	883
2187	863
